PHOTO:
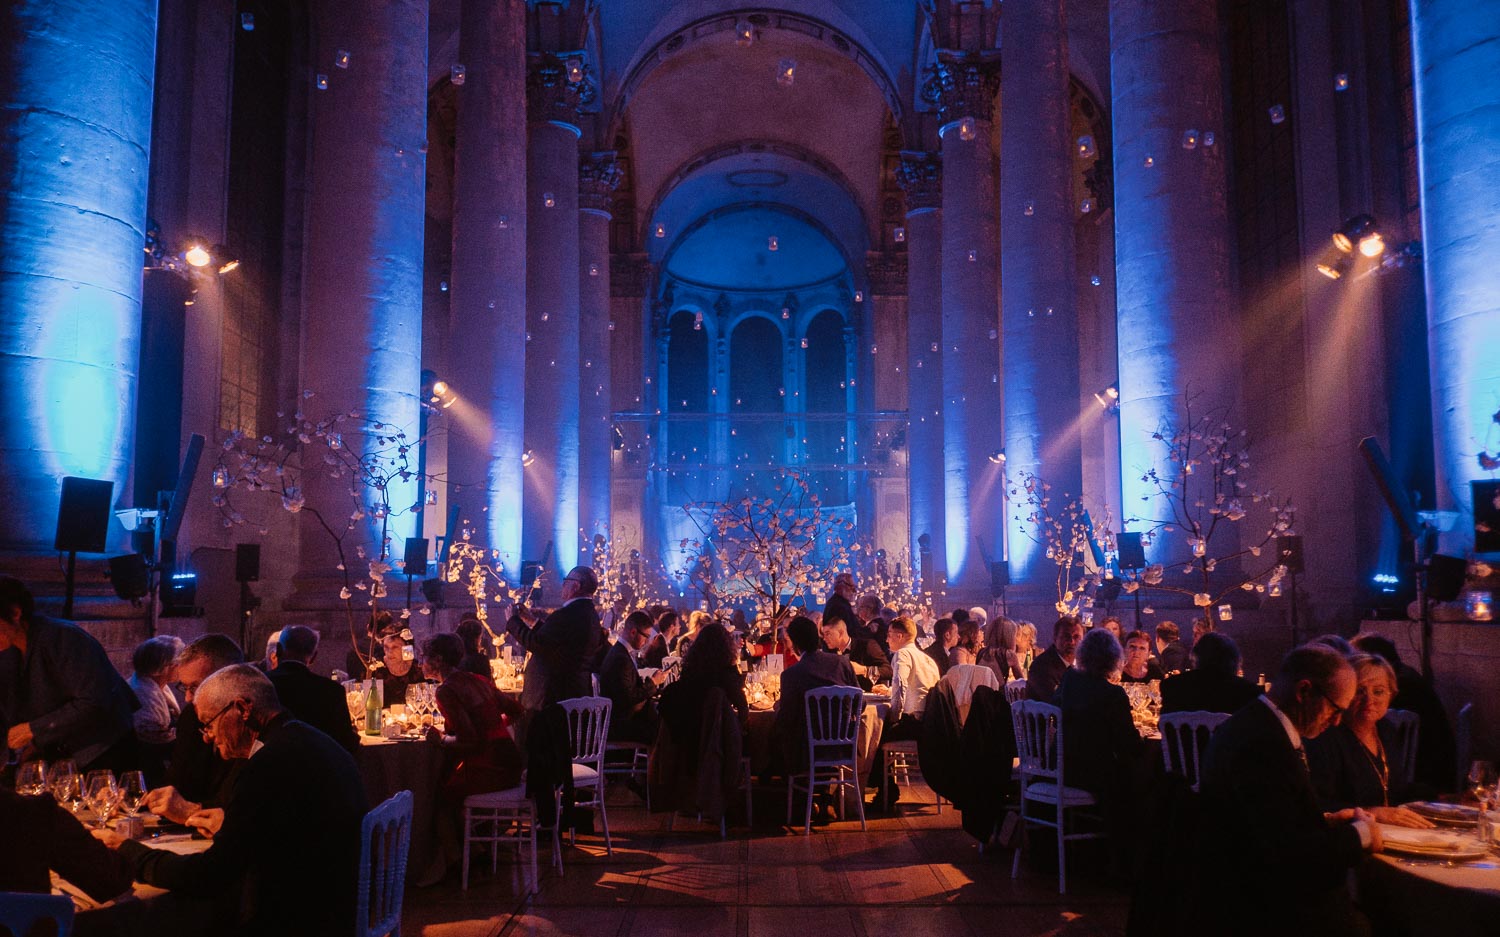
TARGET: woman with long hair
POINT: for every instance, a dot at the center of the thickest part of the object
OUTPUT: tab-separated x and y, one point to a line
710	662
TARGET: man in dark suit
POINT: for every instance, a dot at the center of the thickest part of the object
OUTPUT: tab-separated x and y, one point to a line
289	835
562	644
196	776
1279	863
865	655
1047	670
1171	652
840	605
814	668
633	717
315	700
945	638
1214	684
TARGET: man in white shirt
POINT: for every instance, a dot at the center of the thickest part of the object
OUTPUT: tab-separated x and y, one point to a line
913	674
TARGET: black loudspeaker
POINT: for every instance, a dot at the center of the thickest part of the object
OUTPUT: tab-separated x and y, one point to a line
1132	553
1289	554
247	562
1445	577
416	556
432	591
83	515
1486	515
999	576
530	570
128	576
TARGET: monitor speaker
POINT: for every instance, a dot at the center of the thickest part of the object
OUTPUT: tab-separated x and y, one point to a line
83	515
1486	494
127	574
247	562
1132	553
1289	553
1445	577
416	556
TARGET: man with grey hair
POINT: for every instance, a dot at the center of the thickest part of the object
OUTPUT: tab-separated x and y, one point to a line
314	699
268	663
562	645
1280	863
196	777
290	833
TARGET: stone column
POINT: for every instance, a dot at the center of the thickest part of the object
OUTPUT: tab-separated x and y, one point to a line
1457	50
964	89
1177	324
1042	431
72	222
487	300
551	501
362	328
920	177
598	177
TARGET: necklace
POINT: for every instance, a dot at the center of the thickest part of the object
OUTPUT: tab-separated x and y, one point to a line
1382	768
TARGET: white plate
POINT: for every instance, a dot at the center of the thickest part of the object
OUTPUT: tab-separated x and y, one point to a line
1451	814
1430	844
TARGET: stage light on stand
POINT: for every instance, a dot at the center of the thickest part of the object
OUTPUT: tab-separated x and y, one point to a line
1109	398
1372	244
1352	231
528	458
197	255
998	457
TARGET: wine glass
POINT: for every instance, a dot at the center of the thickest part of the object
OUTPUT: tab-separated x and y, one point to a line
63	785
31	778
133	790
59	770
103	796
1481	780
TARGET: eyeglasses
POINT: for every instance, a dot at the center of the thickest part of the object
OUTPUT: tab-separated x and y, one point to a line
1338	710
207	728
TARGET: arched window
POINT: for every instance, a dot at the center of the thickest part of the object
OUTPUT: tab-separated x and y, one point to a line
757	396
827	397
685	442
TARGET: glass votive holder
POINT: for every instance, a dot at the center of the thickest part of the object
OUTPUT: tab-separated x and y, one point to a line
1480	605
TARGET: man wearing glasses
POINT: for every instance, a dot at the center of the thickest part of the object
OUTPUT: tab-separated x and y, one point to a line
561	644
634	717
1279	864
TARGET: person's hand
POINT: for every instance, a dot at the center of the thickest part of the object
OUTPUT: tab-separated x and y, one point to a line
108	837
207	820
1348	815
19	737
1377	842
1401	816
167	802
859	669
658	678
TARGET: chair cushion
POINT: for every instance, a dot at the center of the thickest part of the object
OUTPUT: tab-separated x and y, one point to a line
1047	792
510	797
583	774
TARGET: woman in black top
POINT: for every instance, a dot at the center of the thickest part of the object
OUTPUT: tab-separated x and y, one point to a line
1352	763
709	663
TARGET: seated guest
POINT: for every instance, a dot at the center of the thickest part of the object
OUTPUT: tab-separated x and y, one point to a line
1201	627
1352	763
309	697
1139	666
998	650
268	663
476	719
476	656
709	663
1337	642
1099	737
695	623
1214	684
633	717
1112	625
62	696
667	628
913	675
864	656
1025	646
1171	652
944	638
815	668
55	842
154	666
357	660
289	835
1435	746
196	777
398	664
1048	669
1280	864
970	643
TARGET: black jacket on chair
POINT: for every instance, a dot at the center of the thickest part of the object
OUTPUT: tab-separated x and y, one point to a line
561	646
938	747
315	700
987	747
1279	867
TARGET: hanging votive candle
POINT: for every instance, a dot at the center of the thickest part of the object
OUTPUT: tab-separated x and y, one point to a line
1200	547
900	235
1480	606
1226	613
968	128
221	477
773	243
457	73
786	72
1190	139
660	230
1086	147
549	200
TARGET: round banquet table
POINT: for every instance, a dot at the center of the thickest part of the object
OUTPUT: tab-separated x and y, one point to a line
389	767
1417	897
147	910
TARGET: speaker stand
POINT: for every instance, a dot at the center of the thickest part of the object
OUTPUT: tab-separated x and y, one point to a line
1138	607
1296	628
68	585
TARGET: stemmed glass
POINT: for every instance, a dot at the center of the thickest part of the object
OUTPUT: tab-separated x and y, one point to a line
133	791
103	796
57	774
1482	781
31	779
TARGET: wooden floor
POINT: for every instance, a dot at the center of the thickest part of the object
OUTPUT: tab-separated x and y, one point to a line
908	875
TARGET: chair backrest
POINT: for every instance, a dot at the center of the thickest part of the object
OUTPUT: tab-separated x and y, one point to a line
833	717
1403	761
588	727
1184	737
1038	740
22	912
1015	691
384	840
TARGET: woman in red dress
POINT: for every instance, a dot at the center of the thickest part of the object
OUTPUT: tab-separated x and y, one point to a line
483	752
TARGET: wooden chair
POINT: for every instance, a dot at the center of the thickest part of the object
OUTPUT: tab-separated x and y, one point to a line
588	731
384	840
21	912
832	748
1184	737
1403	766
1039	739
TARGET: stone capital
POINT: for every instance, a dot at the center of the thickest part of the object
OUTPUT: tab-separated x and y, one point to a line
599	174
920	176
963	84
558	87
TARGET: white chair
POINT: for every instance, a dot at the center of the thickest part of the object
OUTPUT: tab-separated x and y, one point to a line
384	840
1184	736
20	912
636	763
1403	766
832	748
1039	739
507	816
901	756
1015	691
588	731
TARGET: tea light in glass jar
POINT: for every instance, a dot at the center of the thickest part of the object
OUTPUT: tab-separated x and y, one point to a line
1480	606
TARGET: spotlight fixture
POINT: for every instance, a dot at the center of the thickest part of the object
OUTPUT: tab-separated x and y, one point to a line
1353	232
1334	265
197	255
226	260
1109	398
442	395
1372	244
998	457
527	458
